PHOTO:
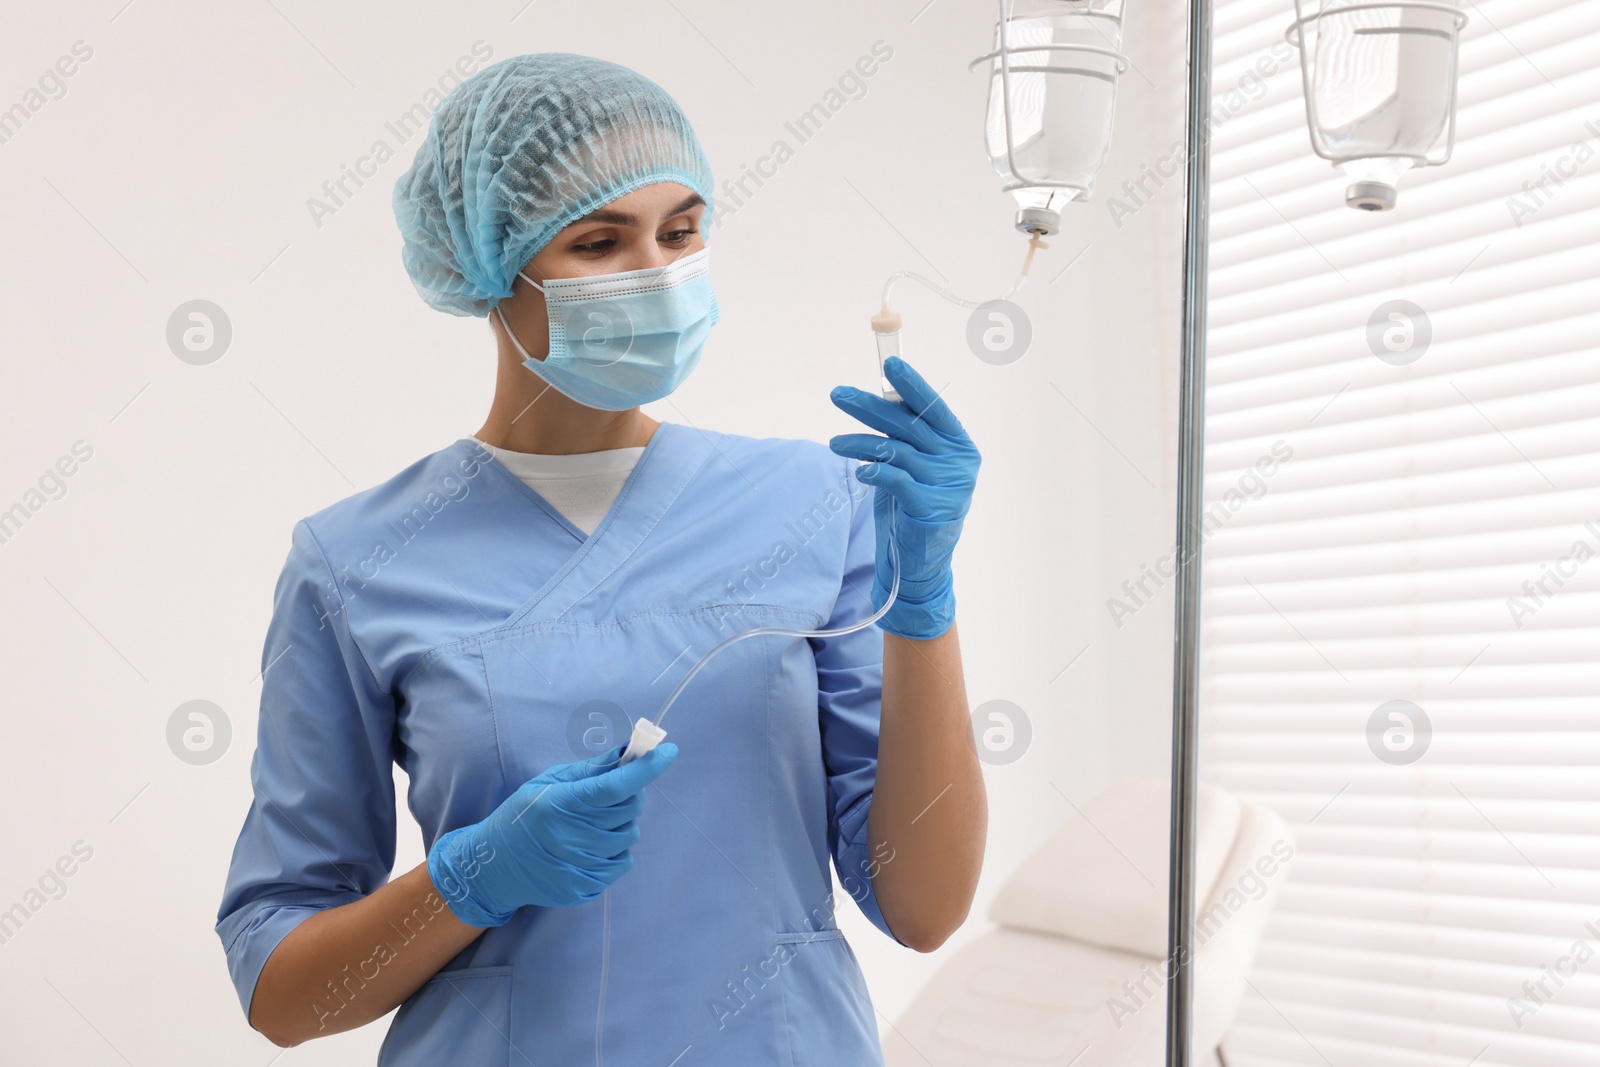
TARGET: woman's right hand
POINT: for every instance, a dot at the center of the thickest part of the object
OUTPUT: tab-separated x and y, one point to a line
560	839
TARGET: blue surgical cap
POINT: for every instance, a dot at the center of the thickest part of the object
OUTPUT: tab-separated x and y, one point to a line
521	150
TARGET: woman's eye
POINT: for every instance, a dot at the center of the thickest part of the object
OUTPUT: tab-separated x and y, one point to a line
602	245
677	237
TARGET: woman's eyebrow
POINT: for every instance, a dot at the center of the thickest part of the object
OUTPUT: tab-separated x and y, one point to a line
623	218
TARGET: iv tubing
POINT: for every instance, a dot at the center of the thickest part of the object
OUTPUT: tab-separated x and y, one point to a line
1034	244
785	631
759	631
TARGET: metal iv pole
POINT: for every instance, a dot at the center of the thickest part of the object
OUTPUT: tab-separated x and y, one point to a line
1191	471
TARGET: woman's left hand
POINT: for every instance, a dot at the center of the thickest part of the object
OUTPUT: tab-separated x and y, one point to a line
923	473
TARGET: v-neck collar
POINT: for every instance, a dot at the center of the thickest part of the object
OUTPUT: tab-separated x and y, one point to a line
672	458
550	509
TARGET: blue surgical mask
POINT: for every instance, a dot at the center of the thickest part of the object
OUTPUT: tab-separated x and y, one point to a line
621	340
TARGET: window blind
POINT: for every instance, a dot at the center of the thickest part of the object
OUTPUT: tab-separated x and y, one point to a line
1425	532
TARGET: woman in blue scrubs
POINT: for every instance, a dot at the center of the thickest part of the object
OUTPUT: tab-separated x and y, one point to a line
494	617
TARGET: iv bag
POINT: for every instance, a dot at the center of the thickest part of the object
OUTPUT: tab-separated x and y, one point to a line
1064	57
1380	85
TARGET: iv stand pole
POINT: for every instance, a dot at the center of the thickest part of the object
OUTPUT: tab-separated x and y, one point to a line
1191	469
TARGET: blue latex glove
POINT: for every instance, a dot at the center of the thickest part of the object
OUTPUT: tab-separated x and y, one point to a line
922	473
561	839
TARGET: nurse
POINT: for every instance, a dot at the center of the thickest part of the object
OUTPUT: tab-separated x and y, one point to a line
495	616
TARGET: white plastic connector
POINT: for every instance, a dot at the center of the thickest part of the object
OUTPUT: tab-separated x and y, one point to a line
886	321
646	736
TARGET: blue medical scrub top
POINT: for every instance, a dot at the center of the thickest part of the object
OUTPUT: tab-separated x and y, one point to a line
452	621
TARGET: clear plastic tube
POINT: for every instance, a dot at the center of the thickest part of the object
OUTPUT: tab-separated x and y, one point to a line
1034	244
785	631
605	967
758	631
886	323
888	345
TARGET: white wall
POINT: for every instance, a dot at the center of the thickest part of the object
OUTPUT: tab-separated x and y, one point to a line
178	165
